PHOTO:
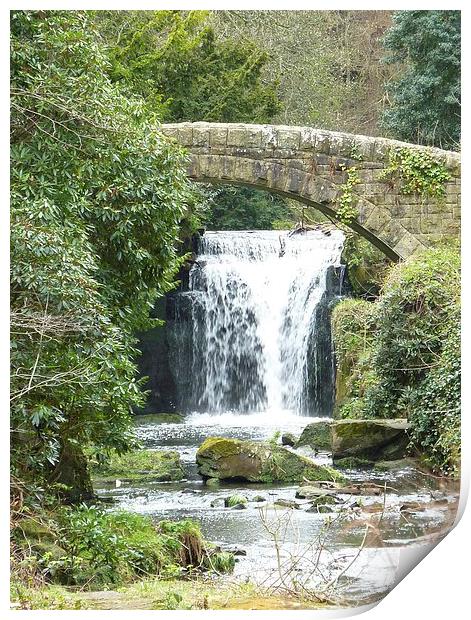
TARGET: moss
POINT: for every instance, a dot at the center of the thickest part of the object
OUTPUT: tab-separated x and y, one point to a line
369	439
35	529
353	462
234	500
157	465
316	435
220	446
287	466
257	462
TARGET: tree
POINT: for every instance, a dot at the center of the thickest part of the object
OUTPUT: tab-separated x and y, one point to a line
178	64
97	196
174	59
425	99
248	209
327	63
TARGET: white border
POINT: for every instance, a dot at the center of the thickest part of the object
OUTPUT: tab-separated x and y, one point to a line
439	587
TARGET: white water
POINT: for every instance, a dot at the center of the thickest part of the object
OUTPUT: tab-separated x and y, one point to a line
254	329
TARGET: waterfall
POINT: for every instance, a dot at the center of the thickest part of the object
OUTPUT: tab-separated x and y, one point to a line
249	333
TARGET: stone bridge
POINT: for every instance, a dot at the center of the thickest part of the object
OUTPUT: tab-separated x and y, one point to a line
311	166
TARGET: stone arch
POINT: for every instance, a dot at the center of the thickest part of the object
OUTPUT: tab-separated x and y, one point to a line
309	165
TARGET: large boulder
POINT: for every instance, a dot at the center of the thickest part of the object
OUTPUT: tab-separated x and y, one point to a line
253	461
316	435
369	439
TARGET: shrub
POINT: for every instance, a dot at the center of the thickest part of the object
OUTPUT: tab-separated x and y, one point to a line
88	546
353	322
414	316
400	356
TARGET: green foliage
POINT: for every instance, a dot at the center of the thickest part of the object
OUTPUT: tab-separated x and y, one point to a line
414	316
346	210
400	356
97	548
235	208
173	58
366	266
353	325
175	61
417	172
221	562
426	104
436	407
96	196
274	439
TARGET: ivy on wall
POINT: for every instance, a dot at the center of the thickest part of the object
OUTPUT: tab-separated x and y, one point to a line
416	172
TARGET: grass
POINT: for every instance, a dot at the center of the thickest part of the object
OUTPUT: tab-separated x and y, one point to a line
160	595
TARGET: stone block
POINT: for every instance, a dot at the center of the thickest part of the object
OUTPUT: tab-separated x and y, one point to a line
307	139
288	139
407	245
236	136
218	136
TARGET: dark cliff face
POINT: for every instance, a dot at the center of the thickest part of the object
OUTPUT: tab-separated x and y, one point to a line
154	364
321	379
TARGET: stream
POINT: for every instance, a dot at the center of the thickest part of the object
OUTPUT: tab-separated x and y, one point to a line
433	504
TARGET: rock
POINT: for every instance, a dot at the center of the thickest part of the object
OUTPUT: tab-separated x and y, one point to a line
369	439
286	503
324	500
288	439
253	461
353	462
320	508
239	507
142	465
412	507
212	482
258	498
218	503
316	435
191	491
309	492
235	500
396	465
237	551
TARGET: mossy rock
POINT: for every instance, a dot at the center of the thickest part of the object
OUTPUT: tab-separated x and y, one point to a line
288	439
142	465
395	465
369	439
235	500
353	462
316	435
47	549
253	461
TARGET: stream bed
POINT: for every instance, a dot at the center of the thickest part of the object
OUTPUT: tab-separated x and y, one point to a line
351	553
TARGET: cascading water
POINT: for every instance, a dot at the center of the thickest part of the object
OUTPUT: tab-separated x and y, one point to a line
247	335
